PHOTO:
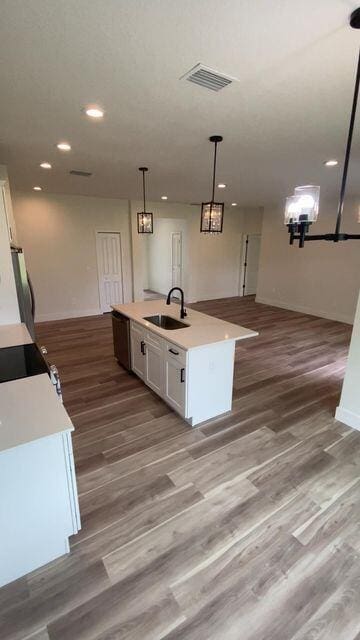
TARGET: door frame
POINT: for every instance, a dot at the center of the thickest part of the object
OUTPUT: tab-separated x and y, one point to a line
172	233
243	264
97	247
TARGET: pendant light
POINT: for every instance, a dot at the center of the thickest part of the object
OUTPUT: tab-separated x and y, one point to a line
302	208
212	213
144	218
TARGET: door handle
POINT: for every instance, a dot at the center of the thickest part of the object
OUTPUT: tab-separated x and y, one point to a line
142	347
175	353
182	375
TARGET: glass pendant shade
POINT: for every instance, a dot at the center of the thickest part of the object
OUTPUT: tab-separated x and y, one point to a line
292	210
212	215
145	222
303	206
309	202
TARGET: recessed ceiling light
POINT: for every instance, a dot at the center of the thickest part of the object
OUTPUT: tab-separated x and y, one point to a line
94	112
63	146
331	163
234	204
164	197
37	188
45	165
221	185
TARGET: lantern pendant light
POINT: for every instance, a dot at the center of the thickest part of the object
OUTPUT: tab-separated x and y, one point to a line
212	213
144	218
301	209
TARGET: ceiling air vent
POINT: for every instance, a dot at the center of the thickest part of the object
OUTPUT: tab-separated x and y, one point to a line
208	78
84	174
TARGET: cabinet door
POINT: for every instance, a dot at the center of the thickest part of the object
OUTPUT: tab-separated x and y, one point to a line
175	384
138	351
154	375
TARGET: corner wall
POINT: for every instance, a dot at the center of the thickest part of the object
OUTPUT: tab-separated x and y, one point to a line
213	261
57	233
348	410
321	279
9	307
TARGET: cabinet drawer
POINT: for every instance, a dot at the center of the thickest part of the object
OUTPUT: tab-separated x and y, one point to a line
152	338
174	351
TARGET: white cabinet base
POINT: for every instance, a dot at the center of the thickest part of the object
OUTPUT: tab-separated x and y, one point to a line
210	381
38	506
197	383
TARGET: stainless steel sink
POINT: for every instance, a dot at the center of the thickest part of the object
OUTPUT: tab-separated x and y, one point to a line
166	322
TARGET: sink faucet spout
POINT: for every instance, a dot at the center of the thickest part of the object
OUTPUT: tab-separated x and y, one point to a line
183	312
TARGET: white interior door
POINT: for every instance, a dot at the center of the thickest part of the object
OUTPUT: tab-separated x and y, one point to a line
176	258
108	246
250	264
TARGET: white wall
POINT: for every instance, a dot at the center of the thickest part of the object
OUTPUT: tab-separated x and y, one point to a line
141	243
253	218
348	410
323	278
9	308
217	257
159	257
8	203
212	261
57	233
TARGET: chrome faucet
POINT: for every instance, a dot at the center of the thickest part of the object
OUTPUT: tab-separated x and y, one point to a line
183	312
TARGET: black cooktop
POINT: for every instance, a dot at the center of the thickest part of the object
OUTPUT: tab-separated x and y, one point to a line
21	362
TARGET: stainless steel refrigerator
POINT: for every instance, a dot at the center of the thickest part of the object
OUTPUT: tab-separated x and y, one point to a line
25	292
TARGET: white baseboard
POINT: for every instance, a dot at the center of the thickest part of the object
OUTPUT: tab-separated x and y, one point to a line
319	313
349	418
64	315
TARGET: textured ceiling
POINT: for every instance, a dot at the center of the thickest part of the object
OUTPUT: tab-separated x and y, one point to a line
294	59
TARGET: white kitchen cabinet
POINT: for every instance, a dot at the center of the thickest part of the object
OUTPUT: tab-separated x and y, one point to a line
147	359
137	341
39	506
191	368
197	382
154	367
175	384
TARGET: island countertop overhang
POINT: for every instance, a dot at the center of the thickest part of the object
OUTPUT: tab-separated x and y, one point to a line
203	329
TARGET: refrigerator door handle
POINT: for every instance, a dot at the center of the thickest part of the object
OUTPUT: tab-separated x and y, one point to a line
32	295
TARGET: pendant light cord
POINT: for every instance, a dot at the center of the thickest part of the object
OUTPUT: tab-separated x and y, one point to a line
143	172
347	153
214	172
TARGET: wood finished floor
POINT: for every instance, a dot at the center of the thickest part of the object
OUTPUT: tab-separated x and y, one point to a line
245	528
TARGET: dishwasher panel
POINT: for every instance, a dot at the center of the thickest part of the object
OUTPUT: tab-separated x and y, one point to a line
121	334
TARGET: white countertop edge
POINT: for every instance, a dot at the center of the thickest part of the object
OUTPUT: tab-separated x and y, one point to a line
26	442
30	410
215	326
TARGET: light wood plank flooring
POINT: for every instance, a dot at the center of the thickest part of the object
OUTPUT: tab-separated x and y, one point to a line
245	528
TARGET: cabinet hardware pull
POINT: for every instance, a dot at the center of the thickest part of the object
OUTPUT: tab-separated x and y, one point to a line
182	375
142	347
175	353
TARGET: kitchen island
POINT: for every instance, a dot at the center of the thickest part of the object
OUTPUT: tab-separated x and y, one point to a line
191	367
39	504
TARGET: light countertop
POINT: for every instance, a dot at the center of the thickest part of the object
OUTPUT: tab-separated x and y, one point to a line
29	410
203	329
12	335
29	407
